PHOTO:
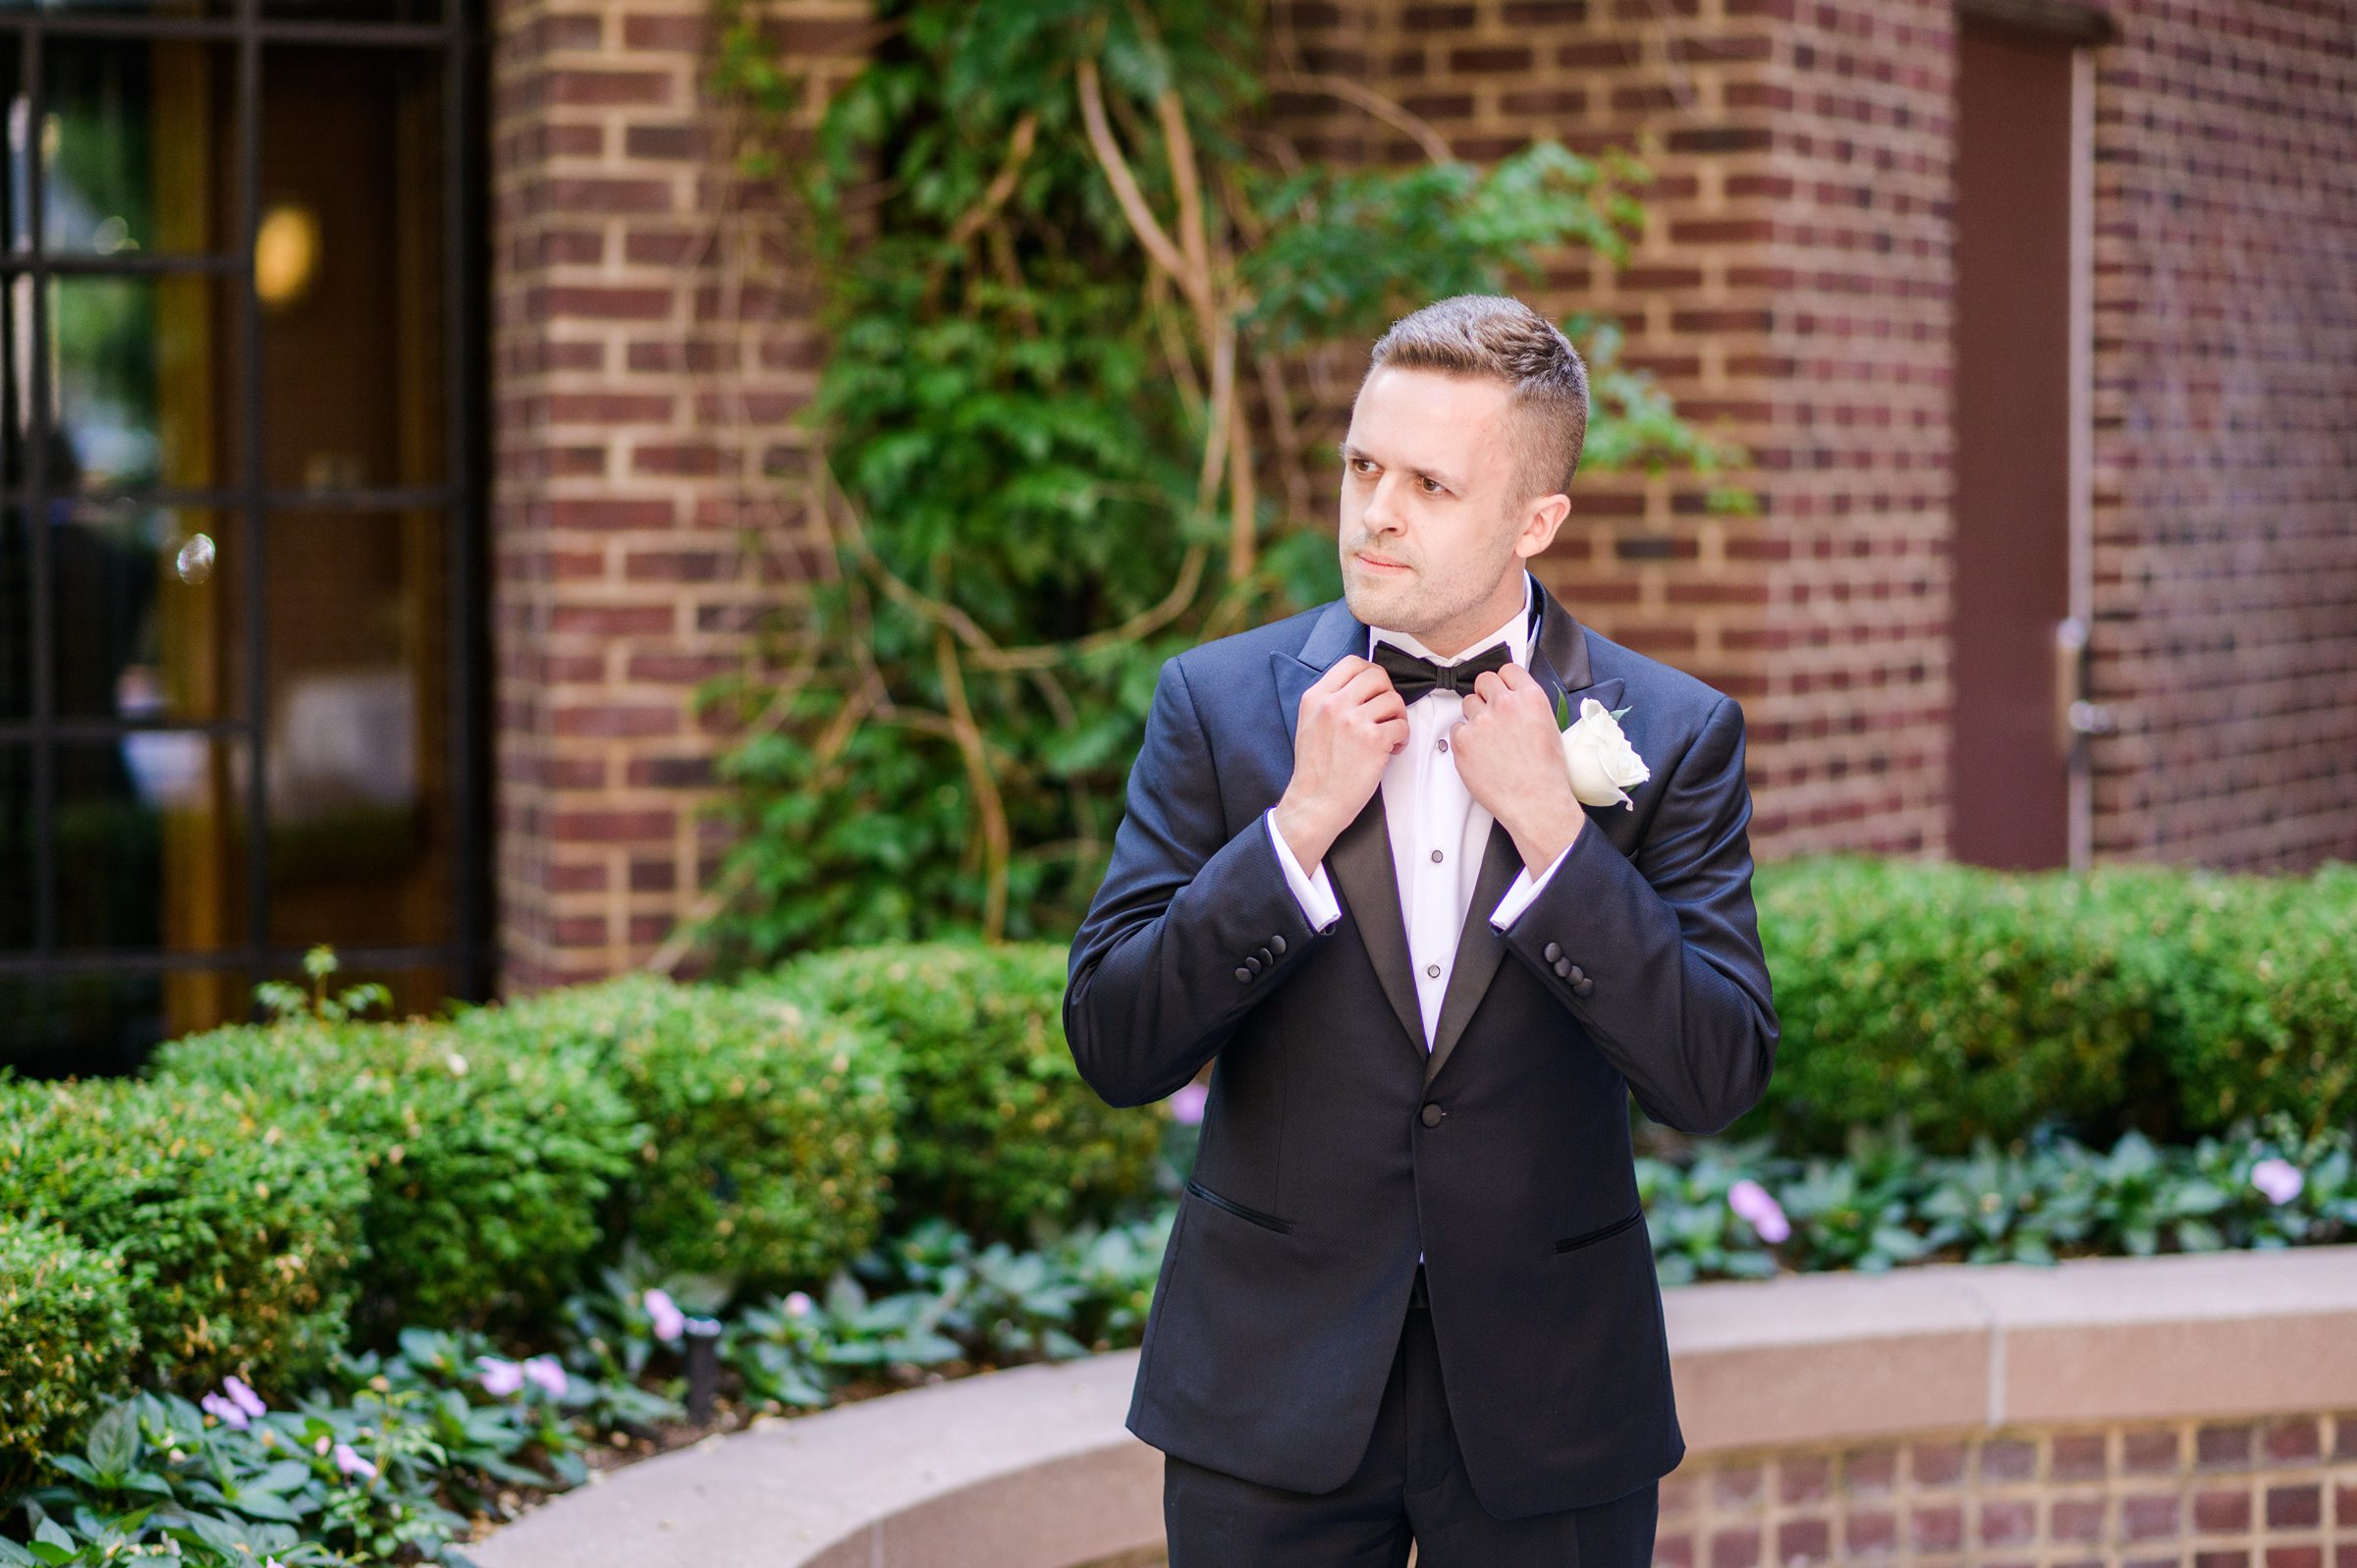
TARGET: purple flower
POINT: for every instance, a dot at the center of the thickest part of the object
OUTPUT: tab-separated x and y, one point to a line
669	1321
349	1461
1755	1204
1186	1106
548	1372
244	1397
230	1415
798	1304
2278	1179
500	1376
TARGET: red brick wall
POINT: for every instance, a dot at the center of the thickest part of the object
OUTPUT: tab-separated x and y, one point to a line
2279	1491
2225	472
645	371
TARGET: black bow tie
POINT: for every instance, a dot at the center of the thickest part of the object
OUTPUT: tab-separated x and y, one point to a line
1413	678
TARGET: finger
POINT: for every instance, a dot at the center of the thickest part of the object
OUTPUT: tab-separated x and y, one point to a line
1475	705
1489	685
1515	677
1339	672
1372	680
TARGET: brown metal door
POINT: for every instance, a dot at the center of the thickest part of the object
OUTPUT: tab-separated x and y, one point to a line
2009	748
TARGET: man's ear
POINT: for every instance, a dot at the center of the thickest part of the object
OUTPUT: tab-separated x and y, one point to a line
1545	515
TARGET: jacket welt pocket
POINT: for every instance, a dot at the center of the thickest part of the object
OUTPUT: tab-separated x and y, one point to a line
1266	1221
1602	1231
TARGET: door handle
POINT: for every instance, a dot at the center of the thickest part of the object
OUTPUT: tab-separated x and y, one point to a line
2074	715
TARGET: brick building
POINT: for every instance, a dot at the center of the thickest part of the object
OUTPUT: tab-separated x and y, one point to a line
2035	316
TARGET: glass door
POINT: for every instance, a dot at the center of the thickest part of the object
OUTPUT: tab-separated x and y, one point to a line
238	546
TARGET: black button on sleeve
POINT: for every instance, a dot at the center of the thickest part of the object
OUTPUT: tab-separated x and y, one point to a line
1562	966
1243	974
1584	986
1553	951
1252	963
1278	942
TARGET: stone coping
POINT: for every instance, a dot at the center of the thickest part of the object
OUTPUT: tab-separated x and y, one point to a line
1033	1468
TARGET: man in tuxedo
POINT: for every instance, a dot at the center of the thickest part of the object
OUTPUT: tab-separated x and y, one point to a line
1409	1293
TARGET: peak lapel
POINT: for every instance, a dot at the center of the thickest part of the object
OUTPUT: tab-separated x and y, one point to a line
1559	660
1360	861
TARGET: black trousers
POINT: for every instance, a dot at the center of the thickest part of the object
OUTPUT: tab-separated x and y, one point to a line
1411	1486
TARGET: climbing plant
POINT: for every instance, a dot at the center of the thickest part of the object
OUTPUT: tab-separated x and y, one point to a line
1081	302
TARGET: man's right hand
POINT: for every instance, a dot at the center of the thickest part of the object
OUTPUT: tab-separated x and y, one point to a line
1351	722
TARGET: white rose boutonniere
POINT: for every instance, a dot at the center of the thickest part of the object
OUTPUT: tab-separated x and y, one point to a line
1603	763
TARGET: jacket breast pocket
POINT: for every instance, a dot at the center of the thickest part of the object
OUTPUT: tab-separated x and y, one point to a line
1589	1237
1265	1220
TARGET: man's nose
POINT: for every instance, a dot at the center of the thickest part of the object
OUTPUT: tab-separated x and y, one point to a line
1383	513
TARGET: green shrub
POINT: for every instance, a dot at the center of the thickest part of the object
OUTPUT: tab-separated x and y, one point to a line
486	1175
1958	999
2253	989
67	1340
769	1130
237	1220
998	1131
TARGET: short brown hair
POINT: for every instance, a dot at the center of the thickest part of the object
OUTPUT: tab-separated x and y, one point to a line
1498	335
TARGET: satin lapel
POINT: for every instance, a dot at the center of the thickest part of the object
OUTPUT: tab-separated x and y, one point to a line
1360	864
1479	947
1559	660
1360	861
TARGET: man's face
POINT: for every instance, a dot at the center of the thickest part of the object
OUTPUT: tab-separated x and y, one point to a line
1428	485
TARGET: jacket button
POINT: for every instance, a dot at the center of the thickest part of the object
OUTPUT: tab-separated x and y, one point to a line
1432	1113
1584	986
1265	957
1576	976
1243	975
1252	964
1553	951
1562	966
1278	942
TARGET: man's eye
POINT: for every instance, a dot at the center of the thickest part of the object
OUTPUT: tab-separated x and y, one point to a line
1434	483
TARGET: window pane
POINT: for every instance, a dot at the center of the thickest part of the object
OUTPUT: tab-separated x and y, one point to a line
82	1025
151	842
135	146
120	7
354	10
16	617
18	916
361	709
146	595
140	393
349	263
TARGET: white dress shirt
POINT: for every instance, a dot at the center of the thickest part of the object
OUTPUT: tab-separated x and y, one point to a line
1437	830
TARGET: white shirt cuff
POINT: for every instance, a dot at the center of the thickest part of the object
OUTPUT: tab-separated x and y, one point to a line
1525	888
1315	893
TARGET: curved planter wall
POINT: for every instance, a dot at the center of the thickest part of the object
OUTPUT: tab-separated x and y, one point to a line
2130	1413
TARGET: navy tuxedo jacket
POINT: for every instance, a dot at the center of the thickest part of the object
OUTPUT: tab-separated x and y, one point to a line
1334	1147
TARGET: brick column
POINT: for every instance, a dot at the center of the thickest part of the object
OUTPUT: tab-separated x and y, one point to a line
645	367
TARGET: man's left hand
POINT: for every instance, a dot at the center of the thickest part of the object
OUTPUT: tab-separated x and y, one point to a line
1511	756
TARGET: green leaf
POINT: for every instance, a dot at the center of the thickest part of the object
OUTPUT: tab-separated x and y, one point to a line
114	1442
